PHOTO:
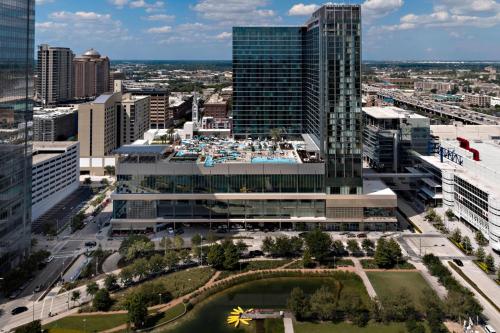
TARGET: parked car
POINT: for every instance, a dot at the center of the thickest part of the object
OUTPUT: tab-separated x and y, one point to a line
362	236
18	310
179	231
49	259
90	243
255	253
351	235
458	262
489	329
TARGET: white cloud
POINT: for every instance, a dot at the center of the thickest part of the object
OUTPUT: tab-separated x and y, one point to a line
43	2
161	17
160	30
119	3
373	9
77	25
150	7
193	27
49	25
224	35
302	10
450	14
236	12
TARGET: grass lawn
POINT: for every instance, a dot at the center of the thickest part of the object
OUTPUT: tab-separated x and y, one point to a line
174	285
304	327
370	264
390	283
254	266
163	317
75	324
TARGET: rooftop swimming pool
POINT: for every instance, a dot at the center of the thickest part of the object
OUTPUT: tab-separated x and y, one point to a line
273	160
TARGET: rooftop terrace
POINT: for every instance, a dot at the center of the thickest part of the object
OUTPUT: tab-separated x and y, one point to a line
210	151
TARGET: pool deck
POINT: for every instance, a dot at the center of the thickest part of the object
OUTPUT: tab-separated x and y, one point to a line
211	151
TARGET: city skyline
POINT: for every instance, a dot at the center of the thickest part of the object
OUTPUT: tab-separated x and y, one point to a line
201	29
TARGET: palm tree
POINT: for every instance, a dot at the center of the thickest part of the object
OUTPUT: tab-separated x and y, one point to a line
276	134
171	132
75	296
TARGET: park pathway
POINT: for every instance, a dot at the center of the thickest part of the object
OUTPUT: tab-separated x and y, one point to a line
111	263
362	274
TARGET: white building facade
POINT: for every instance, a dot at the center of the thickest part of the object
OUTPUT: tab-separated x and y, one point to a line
55	174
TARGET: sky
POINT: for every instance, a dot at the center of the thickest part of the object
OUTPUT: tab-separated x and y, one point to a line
201	29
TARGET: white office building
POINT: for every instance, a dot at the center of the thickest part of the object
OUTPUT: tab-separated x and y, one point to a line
466	179
55	174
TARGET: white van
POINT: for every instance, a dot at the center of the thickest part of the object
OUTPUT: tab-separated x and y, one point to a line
489	329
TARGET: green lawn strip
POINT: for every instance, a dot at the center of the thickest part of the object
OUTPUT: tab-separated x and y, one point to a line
306	327
390	283
92	323
175	285
159	318
460	247
255	266
472	284
274	325
370	264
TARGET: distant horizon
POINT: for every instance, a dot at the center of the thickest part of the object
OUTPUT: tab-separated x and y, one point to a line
368	60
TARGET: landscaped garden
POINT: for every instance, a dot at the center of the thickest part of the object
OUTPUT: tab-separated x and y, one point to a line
89	323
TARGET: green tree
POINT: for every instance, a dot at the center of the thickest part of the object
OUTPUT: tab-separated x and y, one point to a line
75	296
433	310
398	307
166	243
32	327
307	261
395	252
139	249
241	246
456	235
137	310
211	237
467	244
353	246
171	259
323	303
92	289
480	253
126	275
156	264
140	268
480	239
178	242
449	214
109	170
276	134
382	256
215	256
338	248
231	257
102	301
196	240
431	215
111	282
184	255
490	263
267	245
298	303
319	244
129	241
367	245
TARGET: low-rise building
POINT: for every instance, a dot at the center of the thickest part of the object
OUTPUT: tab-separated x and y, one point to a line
433	86
401	82
390	136
215	107
55	174
210	180
179	106
482	101
55	124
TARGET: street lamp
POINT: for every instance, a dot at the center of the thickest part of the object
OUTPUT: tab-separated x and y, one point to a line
84	325
160	297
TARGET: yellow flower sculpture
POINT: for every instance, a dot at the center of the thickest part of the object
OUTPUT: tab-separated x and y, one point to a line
235	319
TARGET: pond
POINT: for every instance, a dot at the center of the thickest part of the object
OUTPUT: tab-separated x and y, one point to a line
210	315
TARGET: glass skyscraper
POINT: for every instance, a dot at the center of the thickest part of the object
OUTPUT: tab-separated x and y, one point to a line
267	85
306	80
16	89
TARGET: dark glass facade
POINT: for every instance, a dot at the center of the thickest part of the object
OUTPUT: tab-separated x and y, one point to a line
16	89
267	81
218	209
305	80
292	183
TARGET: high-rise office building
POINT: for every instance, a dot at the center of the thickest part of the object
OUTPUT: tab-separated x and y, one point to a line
267	80
54	82
16	86
98	131
134	118
91	74
305	80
